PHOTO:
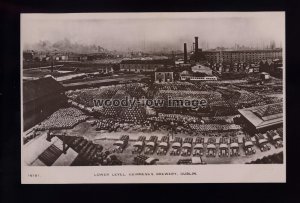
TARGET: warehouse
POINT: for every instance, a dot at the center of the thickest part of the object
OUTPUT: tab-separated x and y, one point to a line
263	118
41	97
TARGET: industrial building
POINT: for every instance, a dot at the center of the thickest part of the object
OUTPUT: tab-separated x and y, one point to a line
187	76
197	53
41	98
140	65
262	118
164	75
232	56
249	56
198	73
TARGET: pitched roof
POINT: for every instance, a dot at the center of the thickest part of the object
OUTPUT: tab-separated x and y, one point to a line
35	89
185	72
263	116
269	110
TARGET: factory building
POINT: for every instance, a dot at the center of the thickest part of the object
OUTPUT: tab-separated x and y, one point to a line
249	56
164	75
227	68
197	54
196	76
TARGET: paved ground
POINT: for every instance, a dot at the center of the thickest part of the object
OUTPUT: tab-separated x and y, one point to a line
127	156
107	139
36	146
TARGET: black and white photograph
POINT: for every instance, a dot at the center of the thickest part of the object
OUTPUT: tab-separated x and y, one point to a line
153	97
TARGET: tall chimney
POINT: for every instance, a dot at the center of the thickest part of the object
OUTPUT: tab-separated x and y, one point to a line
52	64
196	48
185	53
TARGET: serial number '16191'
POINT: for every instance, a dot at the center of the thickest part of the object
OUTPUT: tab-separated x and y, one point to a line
33	175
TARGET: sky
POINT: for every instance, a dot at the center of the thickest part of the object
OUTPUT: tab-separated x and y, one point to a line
155	31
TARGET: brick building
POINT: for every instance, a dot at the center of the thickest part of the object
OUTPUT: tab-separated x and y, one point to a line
248	56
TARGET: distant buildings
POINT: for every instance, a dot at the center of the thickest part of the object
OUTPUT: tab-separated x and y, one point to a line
106	69
164	75
264	76
190	76
222	55
77	57
63	56
198	73
237	56
28	56
273	67
235	69
148	65
202	69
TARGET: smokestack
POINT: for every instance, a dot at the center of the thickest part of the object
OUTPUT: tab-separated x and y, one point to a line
185	53
52	64
196	49
196	44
